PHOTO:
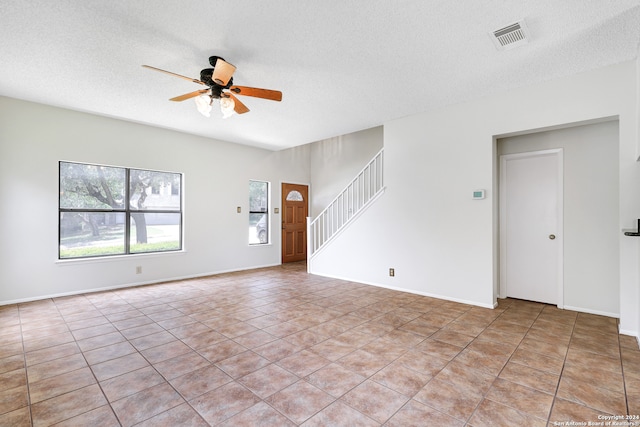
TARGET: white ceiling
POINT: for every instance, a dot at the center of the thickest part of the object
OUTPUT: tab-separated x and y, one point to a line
342	65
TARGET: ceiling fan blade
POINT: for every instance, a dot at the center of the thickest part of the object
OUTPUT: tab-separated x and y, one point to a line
189	95
273	95
239	108
174	74
222	72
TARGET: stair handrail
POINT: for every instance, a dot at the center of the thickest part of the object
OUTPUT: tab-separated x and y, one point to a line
379	186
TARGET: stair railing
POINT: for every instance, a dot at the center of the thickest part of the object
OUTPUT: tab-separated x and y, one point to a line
351	201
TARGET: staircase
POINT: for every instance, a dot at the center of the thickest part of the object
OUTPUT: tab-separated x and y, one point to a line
361	192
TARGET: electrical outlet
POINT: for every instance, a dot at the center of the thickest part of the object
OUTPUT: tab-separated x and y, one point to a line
139	269
392	272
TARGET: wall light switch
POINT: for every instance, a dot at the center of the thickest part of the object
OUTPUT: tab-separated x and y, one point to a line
239	209
276	210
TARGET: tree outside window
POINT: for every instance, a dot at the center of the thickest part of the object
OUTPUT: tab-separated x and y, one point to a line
105	210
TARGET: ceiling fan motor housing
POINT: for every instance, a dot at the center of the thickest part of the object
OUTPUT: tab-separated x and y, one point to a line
216	89
214	59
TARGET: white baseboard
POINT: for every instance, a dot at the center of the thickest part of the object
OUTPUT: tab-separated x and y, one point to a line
130	285
410	291
634	334
590	311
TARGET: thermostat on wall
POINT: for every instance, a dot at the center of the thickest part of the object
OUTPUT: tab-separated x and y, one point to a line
478	194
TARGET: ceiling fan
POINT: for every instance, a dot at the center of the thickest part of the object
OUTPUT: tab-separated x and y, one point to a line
219	79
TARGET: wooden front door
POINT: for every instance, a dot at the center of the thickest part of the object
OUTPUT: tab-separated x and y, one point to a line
295	208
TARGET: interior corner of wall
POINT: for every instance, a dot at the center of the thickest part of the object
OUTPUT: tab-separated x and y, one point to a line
637	115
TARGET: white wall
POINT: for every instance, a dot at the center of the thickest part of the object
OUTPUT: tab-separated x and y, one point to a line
336	161
426	225
591	205
633	251
33	138
439	240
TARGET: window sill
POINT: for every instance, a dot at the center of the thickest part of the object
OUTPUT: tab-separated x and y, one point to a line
75	261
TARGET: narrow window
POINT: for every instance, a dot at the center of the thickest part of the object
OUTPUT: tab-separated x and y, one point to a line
105	210
258	212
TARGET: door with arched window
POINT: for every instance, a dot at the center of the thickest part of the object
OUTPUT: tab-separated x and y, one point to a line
295	208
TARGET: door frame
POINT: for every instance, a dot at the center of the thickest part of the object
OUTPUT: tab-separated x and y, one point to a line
281	212
558	153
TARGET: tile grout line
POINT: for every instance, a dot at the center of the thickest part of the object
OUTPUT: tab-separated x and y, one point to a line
283	295
166	380
87	362
24	360
564	362
624	379
497	376
466	422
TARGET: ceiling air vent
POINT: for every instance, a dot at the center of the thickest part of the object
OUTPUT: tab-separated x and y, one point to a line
511	36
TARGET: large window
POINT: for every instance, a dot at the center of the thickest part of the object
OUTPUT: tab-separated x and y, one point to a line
106	210
258	212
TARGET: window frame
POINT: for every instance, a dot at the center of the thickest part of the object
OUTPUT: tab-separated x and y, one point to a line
263	212
126	210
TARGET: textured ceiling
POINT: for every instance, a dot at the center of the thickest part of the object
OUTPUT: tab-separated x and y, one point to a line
342	65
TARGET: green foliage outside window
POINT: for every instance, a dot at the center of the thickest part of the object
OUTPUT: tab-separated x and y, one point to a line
106	210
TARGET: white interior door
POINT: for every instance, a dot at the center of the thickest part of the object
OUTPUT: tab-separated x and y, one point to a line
531	226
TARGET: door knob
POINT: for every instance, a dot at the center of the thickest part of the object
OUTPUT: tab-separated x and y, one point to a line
552	236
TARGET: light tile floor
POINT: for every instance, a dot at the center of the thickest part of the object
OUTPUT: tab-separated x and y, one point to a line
279	347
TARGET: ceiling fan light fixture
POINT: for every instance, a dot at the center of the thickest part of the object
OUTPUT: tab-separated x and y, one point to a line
227	106
219	80
203	104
